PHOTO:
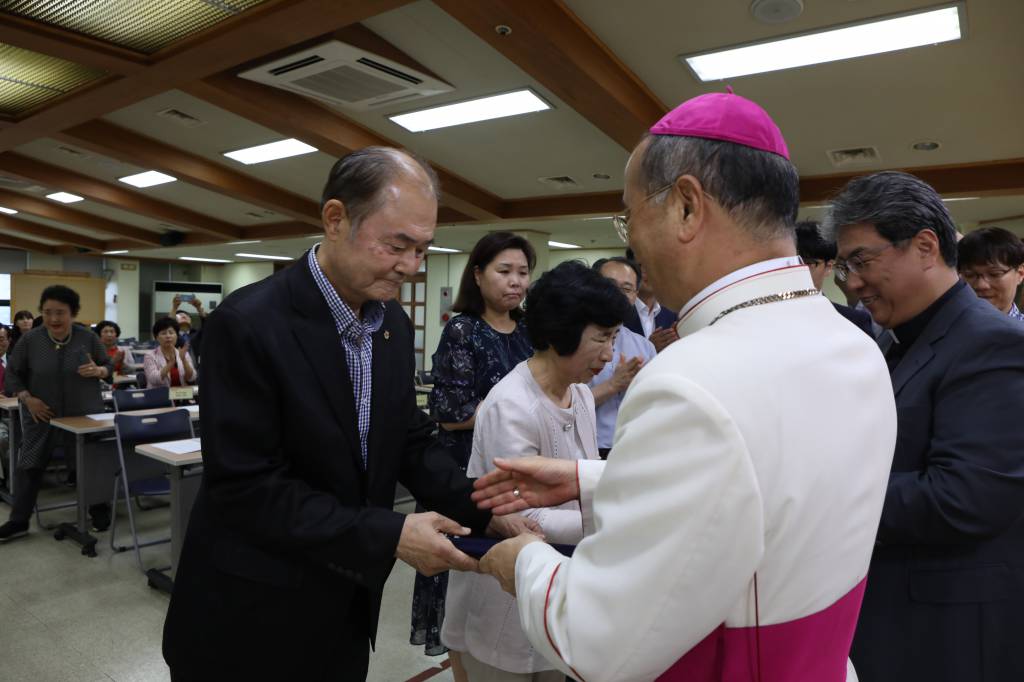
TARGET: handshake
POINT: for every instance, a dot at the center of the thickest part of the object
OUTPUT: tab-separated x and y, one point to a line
516	484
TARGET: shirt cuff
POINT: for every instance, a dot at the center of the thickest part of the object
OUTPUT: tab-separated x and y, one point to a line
588	475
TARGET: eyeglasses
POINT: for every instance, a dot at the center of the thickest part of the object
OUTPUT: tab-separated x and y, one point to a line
621	222
858	264
992	276
627	289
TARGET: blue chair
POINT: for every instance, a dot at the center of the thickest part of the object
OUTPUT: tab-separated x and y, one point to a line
133	430
142	399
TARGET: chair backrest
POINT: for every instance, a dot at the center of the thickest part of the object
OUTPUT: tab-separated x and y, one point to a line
134	429
142	399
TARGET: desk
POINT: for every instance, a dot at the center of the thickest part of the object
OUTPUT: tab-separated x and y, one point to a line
10	408
124	379
182	497
82	427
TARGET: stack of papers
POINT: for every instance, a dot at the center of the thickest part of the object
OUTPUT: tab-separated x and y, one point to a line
102	417
180	447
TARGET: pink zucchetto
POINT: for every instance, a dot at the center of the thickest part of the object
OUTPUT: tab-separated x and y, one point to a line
724	116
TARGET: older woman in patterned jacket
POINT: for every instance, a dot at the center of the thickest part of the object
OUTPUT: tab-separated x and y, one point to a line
55	371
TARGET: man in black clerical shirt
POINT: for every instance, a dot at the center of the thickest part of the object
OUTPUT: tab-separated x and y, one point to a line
945	590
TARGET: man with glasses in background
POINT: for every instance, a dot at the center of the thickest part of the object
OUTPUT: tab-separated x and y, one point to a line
991	261
819	255
945	591
630	352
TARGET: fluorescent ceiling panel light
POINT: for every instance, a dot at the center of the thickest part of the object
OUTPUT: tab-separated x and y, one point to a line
252	241
147	179
604	217
270	152
442	249
114	253
482	109
563	245
203	260
963	199
64	197
259	255
8	211
860	40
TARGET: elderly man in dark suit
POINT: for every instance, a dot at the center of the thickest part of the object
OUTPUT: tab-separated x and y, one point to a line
306	430
945	591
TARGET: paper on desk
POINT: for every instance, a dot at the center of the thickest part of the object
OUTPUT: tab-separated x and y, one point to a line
180	447
102	417
194	409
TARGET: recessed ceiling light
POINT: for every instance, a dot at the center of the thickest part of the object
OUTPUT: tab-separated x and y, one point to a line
147	179
563	245
64	197
963	199
442	249
281	149
259	255
115	253
481	109
926	146
252	241
604	217
204	260
8	211
858	40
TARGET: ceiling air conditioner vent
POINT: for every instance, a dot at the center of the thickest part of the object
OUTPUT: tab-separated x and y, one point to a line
855	156
346	76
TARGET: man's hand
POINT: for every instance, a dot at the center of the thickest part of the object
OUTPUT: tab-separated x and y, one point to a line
175	304
526	482
198	305
39	410
500	560
624	372
662	338
423	546
512	525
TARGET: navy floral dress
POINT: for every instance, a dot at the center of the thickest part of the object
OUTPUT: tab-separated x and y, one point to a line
471	358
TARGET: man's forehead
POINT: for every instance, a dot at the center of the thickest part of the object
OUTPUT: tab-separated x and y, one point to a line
852	237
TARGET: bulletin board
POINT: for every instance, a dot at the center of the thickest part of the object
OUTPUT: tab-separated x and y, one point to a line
26	288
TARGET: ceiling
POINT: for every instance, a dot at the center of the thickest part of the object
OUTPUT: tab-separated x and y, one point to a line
608	69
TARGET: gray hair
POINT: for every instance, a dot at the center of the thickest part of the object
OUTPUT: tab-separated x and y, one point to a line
760	190
360	179
898	205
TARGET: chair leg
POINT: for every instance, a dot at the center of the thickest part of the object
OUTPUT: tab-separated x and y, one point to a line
113	513
131	523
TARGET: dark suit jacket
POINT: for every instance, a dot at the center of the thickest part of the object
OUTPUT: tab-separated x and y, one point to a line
945	591
861	318
290	541
663	320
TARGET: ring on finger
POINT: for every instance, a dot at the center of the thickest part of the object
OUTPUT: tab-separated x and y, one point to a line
515	493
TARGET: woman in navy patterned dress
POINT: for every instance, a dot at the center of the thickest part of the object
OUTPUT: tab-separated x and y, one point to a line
478	348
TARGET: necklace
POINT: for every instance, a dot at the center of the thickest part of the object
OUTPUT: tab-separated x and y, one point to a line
58	344
762	300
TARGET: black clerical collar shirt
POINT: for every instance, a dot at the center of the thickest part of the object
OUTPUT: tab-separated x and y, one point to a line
908	332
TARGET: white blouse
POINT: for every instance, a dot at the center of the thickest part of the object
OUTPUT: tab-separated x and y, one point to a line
517	420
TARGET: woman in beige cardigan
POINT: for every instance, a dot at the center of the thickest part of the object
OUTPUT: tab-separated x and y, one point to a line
542	407
166	365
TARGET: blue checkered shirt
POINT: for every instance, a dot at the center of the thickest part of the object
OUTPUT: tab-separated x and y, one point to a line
1015	313
356	339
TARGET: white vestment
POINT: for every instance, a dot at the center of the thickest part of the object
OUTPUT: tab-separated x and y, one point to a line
753	451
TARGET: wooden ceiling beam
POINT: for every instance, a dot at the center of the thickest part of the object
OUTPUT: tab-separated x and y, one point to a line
989	177
554	47
123	144
73	47
26	244
250	35
43	208
328	131
106	193
53	234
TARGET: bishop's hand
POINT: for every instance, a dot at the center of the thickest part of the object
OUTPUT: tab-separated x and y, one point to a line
526	482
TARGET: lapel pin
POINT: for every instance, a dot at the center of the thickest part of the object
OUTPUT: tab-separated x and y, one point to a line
387	334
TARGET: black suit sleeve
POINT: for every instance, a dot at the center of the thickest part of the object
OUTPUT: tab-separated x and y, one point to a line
247	474
973	484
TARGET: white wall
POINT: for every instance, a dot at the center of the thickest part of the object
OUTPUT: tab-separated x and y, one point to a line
126	278
45	261
237	275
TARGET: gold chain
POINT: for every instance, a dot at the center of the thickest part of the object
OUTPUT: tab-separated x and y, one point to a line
762	300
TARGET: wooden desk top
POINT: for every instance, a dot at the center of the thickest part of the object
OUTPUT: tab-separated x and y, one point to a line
9	404
85	425
154	451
